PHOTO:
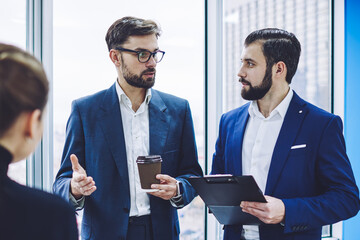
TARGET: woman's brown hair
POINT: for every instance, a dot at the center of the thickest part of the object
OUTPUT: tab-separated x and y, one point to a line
23	85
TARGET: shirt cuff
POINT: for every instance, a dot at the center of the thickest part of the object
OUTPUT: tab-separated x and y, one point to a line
177	201
77	204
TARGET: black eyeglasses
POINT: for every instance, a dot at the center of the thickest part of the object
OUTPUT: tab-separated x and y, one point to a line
145	55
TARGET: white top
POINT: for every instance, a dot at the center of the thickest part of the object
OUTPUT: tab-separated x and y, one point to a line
136	134
258	146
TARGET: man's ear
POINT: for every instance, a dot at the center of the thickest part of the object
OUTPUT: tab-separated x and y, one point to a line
280	69
33	123
115	57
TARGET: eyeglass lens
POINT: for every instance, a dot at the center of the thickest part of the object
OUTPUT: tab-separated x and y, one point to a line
144	56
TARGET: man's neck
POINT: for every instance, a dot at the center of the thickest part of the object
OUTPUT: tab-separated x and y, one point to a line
272	99
136	95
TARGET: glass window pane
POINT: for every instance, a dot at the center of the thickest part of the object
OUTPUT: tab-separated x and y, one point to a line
82	66
13	31
308	20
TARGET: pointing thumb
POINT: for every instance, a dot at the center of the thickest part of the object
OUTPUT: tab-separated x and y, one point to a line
75	163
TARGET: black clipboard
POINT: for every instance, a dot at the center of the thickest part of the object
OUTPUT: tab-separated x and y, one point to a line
223	195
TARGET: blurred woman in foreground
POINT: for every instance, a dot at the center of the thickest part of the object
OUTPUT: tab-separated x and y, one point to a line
26	213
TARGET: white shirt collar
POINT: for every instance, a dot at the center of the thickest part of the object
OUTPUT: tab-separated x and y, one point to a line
122	96
281	109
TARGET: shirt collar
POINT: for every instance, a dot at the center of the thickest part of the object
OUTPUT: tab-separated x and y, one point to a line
281	108
122	96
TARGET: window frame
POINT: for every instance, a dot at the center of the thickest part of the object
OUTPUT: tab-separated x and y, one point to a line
39	173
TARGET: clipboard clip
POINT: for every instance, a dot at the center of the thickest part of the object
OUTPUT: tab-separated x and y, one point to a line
219	178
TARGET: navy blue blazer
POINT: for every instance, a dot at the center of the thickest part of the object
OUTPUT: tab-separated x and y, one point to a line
95	134
27	213
316	183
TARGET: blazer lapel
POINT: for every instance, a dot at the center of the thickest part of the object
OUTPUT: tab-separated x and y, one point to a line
158	123
288	132
237	141
111	124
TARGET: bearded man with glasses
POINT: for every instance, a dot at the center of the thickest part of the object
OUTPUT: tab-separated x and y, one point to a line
107	131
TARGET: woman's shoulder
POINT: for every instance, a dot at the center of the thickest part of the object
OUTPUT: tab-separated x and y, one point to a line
36	200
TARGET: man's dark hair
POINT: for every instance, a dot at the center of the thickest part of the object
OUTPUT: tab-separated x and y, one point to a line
120	31
278	45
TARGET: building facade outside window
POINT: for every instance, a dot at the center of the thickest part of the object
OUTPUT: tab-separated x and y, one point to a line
308	20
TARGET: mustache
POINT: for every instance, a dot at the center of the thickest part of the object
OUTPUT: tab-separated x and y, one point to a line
149	70
242	80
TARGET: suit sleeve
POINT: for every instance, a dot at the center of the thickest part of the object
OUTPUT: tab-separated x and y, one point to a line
74	144
188	165
338	197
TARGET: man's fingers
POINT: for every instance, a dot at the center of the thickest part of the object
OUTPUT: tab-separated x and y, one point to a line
86	184
79	177
256	205
84	181
87	188
166	195
272	212
165	178
89	191
166	191
256	212
164	187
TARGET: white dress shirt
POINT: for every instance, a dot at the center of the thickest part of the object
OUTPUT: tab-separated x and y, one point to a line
259	141
136	135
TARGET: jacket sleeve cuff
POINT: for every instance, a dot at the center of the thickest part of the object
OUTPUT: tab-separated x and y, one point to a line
77	204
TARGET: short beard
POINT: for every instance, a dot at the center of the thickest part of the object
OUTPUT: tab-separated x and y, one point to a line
137	80
258	92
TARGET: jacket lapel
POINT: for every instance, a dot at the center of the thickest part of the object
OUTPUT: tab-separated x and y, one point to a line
158	123
288	132
111	124
237	141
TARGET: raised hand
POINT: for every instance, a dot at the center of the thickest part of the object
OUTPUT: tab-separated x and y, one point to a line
81	184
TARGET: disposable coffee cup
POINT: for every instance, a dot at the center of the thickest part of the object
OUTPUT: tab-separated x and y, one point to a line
149	167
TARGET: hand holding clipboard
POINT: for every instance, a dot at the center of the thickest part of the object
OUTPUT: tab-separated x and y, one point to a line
223	195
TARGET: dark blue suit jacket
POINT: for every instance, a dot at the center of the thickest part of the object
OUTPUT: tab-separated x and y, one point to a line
316	183
95	134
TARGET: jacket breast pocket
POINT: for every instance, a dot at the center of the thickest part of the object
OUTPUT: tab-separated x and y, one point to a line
301	151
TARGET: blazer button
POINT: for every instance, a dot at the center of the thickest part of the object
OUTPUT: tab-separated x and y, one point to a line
126	210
